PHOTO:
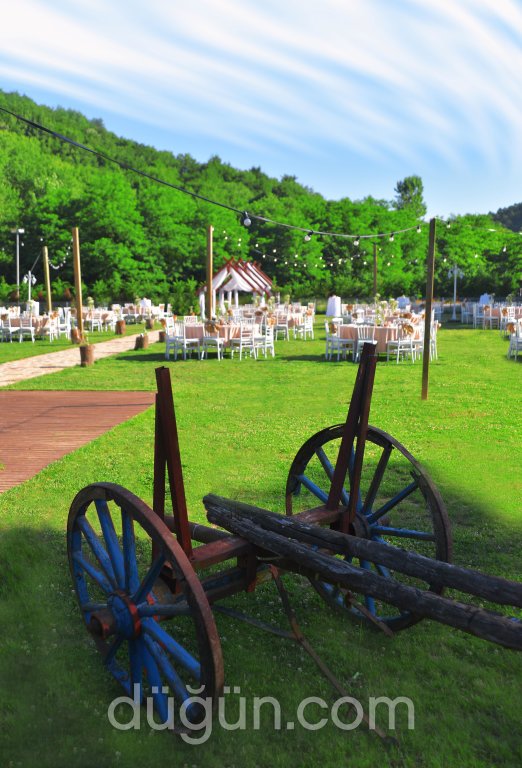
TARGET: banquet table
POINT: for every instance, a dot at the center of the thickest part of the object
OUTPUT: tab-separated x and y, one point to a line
226	331
37	321
382	334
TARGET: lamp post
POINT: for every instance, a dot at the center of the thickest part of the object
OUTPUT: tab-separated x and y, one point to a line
18	232
455	273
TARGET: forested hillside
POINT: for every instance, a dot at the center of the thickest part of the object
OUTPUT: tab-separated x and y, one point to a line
139	238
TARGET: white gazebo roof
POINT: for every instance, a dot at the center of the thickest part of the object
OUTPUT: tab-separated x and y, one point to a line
241	276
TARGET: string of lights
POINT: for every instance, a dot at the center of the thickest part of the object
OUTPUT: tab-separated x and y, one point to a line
246	219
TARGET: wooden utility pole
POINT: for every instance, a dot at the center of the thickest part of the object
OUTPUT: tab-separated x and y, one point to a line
428	310
47	278
208	299
375	269
77	280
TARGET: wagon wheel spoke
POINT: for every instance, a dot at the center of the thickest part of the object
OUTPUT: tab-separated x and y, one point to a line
402	533
93	572
155	682
329	469
397	499
145	588
165	611
111	540
180	654
377	480
97	548
129	553
173	679
313	488
136	665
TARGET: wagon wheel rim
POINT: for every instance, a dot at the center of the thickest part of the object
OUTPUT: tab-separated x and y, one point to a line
380	509
166	644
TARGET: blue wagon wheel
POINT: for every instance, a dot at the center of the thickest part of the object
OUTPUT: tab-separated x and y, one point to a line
397	504
156	641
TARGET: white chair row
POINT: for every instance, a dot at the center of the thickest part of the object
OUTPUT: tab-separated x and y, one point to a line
250	340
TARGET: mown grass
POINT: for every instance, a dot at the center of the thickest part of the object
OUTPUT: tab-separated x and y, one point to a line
17	350
240	425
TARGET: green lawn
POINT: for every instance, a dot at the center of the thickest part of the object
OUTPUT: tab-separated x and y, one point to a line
16	350
240	425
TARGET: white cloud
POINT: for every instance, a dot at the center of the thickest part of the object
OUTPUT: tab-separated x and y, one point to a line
403	82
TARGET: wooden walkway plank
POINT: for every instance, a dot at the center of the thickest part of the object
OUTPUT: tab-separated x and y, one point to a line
57	423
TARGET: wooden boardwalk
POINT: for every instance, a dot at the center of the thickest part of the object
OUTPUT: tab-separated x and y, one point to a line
37	428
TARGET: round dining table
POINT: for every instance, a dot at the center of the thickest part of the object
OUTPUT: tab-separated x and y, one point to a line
382	334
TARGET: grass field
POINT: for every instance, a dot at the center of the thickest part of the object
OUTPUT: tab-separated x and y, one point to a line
16	350
240	426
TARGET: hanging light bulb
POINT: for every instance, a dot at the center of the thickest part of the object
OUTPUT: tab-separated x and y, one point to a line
274	250
308	236
246	220
357	240
419	229
392	237
448	225
504	249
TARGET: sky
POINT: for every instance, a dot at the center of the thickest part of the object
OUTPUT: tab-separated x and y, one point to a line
349	96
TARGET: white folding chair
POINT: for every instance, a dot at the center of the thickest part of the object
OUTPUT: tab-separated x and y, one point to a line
265	341
245	341
403	344
365	335
6	329
212	341
26	327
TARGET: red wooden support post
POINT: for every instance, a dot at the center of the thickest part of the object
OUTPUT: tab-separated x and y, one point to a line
356	426
166	449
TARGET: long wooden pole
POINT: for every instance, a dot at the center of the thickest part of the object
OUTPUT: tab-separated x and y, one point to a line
428	310
47	279
208	300
77	280
374	269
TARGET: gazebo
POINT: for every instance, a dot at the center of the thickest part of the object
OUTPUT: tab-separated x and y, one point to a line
236	276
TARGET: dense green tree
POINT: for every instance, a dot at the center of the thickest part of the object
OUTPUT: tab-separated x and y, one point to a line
139	237
409	195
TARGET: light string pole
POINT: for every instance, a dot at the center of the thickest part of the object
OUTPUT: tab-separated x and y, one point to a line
30	278
455	273
430	275
18	231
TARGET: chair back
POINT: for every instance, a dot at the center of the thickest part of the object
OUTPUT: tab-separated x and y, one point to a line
366	332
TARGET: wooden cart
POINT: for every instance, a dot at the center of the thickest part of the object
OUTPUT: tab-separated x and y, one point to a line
363	522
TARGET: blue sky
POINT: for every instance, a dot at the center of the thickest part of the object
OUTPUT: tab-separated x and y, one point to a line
349	96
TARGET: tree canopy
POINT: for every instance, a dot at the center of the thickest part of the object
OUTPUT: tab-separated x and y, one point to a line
140	238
